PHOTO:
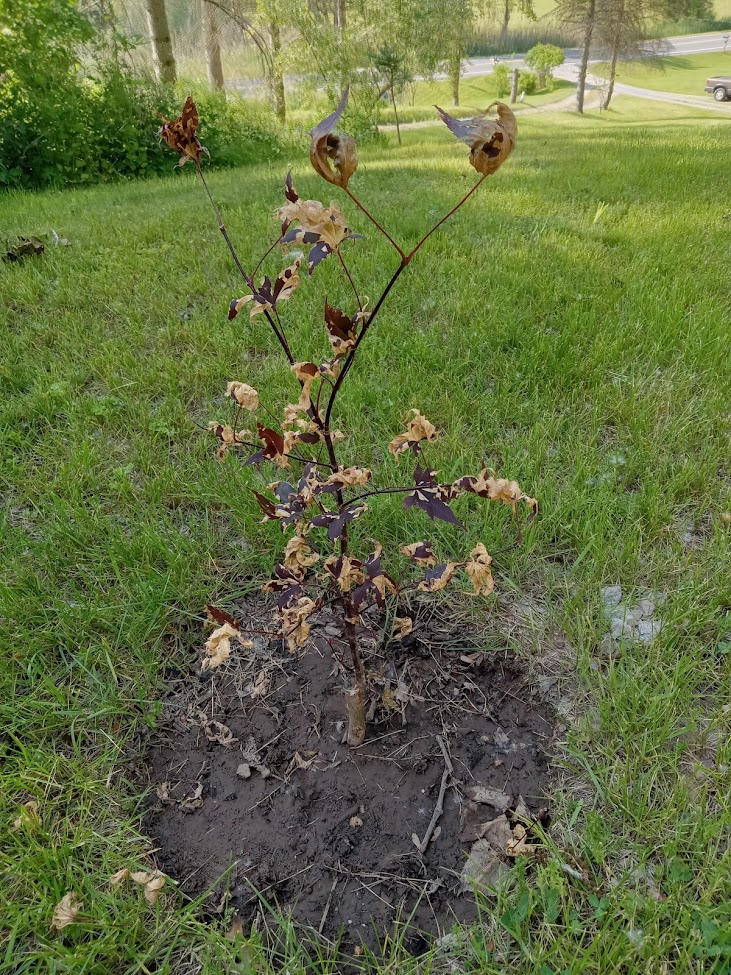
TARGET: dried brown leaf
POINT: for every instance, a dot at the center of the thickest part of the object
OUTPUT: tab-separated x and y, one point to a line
478	569
402	626
180	134
490	140
333	154
246	396
28	816
66	912
418	429
218	646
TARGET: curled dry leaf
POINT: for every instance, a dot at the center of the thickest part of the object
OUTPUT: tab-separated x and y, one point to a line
418	429
420	552
402	626
218	646
298	556
190	803
517	846
490	140
349	477
346	572
119	877
355	822
246	396
478	569
295	625
28	815
151	881
438	577
227	436
322	227
181	135
66	912
486	485
332	153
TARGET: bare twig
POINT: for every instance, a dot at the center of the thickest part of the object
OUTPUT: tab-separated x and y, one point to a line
439	808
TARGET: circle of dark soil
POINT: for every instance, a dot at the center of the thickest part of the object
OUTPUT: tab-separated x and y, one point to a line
256	798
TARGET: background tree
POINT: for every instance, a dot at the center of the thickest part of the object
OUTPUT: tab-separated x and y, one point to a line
581	14
544	58
392	71
162	47
212	45
505	10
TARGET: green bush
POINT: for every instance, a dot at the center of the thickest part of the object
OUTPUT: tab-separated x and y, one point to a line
64	126
527	82
98	129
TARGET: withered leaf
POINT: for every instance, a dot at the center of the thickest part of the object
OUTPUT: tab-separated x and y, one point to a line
298	556
438	577
246	396
346	571
333	154
420	552
478	569
67	911
322	227
181	133
341	330
295	625
490	140
151	881
418	429
218	646
402	626
28	816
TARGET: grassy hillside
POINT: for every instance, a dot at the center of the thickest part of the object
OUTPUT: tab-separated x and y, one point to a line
567	328
686	74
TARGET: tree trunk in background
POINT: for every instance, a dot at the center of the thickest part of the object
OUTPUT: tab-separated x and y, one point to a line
514	87
213	47
162	47
506	20
339	15
454	69
276	80
612	74
586	49
616	44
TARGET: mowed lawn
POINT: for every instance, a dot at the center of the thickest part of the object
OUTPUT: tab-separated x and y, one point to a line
685	73
569	328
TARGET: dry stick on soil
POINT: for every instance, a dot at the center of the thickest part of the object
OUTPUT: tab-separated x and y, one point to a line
356	584
439	808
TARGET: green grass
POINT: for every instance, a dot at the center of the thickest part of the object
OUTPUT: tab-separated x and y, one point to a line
683	73
573	313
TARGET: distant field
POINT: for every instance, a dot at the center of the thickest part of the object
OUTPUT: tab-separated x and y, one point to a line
684	74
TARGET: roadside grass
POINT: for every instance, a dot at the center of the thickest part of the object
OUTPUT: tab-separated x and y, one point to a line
567	328
685	73
475	94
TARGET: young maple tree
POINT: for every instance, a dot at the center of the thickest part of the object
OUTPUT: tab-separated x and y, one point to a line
318	504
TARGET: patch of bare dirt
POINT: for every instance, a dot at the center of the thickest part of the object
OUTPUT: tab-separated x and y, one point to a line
255	795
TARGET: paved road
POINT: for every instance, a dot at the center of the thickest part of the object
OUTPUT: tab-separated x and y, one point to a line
687	44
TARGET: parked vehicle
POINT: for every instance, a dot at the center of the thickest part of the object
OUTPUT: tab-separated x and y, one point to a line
720	87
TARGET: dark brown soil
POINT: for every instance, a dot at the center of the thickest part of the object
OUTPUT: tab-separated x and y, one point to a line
324	831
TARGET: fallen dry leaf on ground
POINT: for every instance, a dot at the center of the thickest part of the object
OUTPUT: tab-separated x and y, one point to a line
218	646
478	569
29	816
517	845
151	882
192	802
402	626
66	912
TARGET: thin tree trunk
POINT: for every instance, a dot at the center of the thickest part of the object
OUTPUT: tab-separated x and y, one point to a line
586	50
514	86
339	15
213	47
162	47
276	81
506	20
454	69
612	75
395	115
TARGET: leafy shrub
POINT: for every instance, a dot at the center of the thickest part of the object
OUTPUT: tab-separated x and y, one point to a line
501	78
527	82
80	131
